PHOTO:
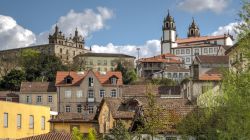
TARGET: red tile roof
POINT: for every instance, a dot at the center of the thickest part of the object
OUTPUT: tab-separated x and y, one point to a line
199	39
208	59
164	58
78	77
37	87
50	136
73	117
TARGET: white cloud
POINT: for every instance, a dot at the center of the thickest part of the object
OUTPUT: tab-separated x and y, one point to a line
87	22
231	28
150	48
13	35
192	6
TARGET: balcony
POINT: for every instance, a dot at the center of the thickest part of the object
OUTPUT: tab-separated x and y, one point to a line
91	99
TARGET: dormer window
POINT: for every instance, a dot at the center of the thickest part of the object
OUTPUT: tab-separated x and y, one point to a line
113	80
91	82
68	79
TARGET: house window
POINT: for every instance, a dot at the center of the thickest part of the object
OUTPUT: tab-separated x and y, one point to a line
105	62
90	94
210	50
186	74
28	99
67	51
43	123
98	62
215	50
79	94
38	99
74	53
113	80
60	50
177	51
67	94
175	75
91	82
6	120
180	75
145	65
102	93
215	42
187	51
187	59
50	99
205	50
67	108
91	109
182	51
169	75
113	93
79	108
68	80
19	120
31	122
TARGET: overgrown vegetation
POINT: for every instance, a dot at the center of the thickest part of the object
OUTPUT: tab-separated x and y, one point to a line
229	118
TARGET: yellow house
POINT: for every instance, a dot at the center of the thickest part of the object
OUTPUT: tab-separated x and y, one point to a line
113	109
67	121
22	120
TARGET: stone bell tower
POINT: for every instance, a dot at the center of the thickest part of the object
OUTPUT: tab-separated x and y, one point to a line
168	39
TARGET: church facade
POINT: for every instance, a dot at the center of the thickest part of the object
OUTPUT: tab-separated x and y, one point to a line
194	44
64	48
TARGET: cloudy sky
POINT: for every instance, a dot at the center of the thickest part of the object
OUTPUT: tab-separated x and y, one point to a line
115	26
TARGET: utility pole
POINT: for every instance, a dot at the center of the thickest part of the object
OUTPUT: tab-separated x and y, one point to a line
138	51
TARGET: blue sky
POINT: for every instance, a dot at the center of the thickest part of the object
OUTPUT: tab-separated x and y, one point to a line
123	23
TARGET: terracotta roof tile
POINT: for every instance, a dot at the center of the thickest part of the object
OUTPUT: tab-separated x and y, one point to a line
78	77
38	87
208	59
73	117
141	90
164	58
50	136
199	39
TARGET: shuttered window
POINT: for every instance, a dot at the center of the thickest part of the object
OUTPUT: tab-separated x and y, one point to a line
5	119
43	123
19	120
31	122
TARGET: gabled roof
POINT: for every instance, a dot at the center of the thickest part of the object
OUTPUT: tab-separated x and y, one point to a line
143	90
201	39
164	58
115	106
37	87
73	118
78	77
208	59
50	136
8	94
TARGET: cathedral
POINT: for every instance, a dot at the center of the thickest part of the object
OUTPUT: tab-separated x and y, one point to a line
194	44
64	48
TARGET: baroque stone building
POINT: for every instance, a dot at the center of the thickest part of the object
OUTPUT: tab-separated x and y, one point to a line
103	62
59	45
194	44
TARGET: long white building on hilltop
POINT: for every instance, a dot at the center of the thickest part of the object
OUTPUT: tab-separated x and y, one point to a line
194	44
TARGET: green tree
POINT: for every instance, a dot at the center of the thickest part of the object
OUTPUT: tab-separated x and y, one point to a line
163	81
119	132
40	67
76	134
92	134
155	118
13	80
128	74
